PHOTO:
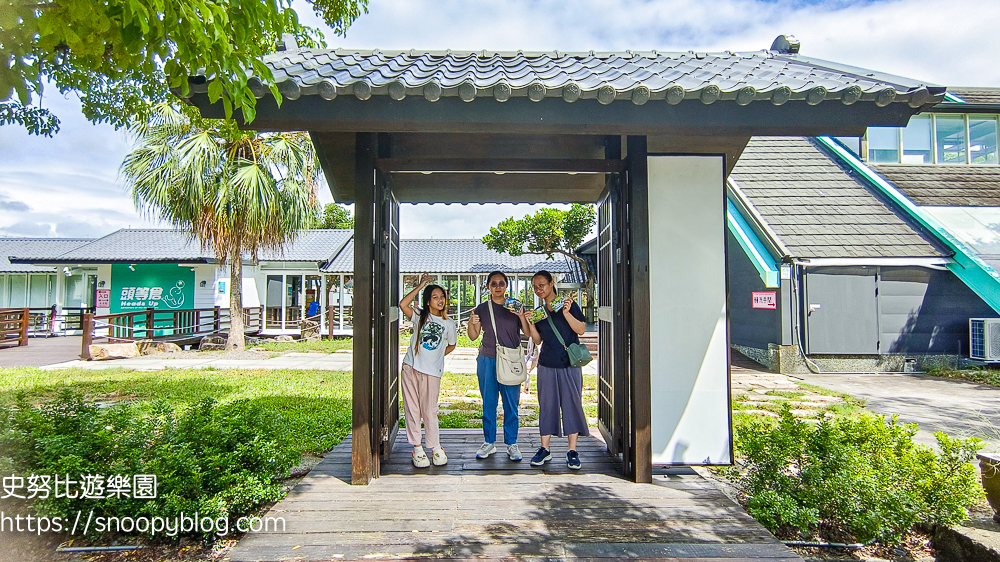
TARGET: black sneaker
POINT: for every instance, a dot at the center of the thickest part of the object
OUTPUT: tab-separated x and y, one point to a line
573	460
541	457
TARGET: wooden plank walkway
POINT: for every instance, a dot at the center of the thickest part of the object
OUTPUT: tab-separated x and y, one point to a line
497	509
42	351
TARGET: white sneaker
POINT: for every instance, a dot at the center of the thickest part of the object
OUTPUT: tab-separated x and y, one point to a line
439	457
514	452
420	459
486	450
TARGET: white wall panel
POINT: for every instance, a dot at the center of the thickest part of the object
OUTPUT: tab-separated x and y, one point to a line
689	355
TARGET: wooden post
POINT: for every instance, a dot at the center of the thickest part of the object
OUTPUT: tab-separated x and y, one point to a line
363	307
87	325
149	323
217	319
22	335
639	353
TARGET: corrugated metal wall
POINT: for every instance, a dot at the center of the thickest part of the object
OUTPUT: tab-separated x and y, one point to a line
748	326
911	310
926	311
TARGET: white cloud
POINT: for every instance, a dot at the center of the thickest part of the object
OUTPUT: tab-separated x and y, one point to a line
69	183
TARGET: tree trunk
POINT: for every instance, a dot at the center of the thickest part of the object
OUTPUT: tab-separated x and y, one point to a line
236	326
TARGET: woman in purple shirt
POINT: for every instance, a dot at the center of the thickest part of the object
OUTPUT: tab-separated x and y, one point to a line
508	327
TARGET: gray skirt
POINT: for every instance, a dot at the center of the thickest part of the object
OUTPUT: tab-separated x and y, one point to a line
561	390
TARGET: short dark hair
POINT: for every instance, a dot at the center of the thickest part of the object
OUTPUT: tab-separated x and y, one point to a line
545	274
500	273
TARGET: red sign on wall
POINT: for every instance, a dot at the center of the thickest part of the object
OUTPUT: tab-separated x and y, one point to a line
765	299
103	298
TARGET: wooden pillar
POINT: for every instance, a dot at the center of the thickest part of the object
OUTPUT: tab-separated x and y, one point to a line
362	465
640	405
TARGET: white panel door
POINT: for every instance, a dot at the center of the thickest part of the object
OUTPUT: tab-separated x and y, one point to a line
689	355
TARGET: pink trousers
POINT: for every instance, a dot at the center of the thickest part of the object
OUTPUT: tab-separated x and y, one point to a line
420	400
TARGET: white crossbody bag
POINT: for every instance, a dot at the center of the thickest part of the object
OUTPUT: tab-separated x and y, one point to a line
511	369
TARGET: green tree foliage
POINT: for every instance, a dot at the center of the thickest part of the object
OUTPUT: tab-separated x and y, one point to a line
237	192
333	216
547	232
863	476
121	56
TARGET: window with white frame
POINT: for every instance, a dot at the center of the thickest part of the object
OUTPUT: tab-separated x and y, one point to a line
935	139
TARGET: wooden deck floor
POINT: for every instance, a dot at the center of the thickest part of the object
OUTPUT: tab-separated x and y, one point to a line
42	351
497	509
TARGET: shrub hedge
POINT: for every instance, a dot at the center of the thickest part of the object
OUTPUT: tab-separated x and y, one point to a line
217	460
861	476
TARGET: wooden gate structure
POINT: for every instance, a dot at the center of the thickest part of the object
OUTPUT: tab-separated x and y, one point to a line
606	128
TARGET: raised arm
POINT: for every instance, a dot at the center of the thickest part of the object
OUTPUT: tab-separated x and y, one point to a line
475	327
405	305
577	325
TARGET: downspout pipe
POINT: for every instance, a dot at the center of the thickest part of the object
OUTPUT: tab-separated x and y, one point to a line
965	264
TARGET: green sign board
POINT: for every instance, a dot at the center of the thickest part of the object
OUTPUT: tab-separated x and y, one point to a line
160	286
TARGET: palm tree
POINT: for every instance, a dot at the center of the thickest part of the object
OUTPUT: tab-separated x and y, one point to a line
237	192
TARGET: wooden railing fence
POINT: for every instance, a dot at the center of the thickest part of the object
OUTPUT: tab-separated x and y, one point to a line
14	326
176	326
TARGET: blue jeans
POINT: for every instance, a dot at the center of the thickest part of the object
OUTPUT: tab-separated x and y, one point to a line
489	388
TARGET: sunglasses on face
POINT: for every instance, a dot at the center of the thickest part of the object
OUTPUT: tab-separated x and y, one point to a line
498	284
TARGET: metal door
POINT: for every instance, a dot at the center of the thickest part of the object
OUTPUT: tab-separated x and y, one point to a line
841	311
385	363
612	407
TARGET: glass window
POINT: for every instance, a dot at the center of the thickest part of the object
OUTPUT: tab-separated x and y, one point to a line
950	139
983	139
883	144
76	287
293	300
852	143
38	294
917	141
18	286
272	307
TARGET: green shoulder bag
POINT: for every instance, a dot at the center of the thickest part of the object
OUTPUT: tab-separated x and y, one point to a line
579	355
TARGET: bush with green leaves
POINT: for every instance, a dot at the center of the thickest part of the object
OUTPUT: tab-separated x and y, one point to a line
861	476
217	460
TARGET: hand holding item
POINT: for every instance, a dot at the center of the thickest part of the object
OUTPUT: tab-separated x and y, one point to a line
536	315
426	279
566	305
474	320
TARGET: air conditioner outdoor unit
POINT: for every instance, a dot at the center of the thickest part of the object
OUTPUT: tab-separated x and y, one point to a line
984	339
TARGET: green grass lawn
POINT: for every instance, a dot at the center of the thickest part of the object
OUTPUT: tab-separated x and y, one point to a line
326	346
316	405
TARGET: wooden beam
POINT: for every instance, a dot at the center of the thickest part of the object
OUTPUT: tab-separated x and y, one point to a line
641	405
336	153
730	145
566	165
362	470
554	116
497	188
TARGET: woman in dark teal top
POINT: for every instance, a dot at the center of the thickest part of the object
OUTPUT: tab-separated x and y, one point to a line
560	385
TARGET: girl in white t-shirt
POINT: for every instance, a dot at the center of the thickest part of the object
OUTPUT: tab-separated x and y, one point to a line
434	336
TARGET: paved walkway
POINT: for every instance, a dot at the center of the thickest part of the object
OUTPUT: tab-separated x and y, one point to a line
497	509
462	360
42	351
959	408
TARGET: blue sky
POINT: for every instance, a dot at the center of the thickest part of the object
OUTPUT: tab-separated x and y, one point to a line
68	185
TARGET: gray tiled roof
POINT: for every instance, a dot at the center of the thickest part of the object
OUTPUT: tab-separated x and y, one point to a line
317	245
977	95
167	245
945	185
454	256
631	76
21	246
816	208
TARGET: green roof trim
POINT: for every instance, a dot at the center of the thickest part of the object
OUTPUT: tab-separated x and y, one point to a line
948	96
965	264
754	248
